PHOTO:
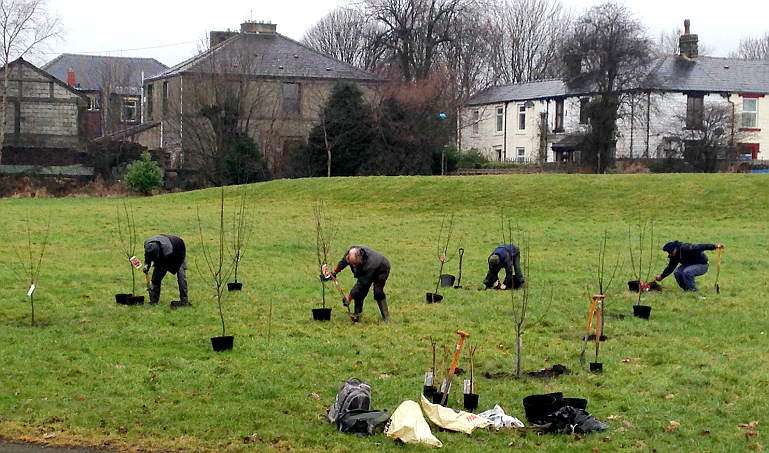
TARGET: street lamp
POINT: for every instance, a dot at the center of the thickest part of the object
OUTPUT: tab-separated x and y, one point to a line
442	116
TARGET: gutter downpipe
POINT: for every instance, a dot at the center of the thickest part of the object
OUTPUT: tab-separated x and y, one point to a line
504	133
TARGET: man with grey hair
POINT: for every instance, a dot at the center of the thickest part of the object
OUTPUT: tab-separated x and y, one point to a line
168	254
507	257
369	267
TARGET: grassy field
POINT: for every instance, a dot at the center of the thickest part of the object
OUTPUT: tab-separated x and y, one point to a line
96	373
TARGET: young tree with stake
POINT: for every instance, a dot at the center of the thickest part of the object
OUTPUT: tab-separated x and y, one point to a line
219	268
31	261
127	237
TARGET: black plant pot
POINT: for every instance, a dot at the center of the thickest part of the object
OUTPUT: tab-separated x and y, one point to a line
429	391
237	286
579	403
596	367
537	407
433	298
642	311
222	343
122	298
134	300
634	285
437	397
321	314
471	401
447	280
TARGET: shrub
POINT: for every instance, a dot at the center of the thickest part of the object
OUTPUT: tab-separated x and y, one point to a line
143	175
472	159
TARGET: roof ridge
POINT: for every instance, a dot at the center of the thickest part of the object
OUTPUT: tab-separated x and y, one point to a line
326	56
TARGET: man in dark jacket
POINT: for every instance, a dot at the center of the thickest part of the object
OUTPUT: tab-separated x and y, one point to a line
692	259
506	257
168	254
369	267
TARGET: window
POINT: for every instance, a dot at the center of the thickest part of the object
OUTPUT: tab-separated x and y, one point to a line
749	151
749	113
520	155
291	99
558	115
165	97
128	114
583	110
522	117
150	100
500	119
476	120
500	154
694	111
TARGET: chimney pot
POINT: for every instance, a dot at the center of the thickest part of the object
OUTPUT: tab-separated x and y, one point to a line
687	43
71	81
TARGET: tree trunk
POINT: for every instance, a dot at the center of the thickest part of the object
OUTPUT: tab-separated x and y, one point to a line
3	108
518	349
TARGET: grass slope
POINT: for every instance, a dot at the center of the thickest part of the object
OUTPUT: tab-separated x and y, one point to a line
120	377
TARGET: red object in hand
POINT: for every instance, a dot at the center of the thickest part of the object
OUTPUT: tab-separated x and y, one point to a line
337	270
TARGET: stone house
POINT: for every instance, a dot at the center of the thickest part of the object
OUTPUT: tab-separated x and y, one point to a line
277	85
44	120
113	86
545	120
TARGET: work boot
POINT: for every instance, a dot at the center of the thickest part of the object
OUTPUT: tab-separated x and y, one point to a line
180	303
358	309
154	291
383	309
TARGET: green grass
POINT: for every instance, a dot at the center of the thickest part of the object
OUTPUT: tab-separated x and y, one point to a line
97	373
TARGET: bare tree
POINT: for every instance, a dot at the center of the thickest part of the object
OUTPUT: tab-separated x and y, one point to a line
115	79
25	25
528	34
347	35
414	31
753	48
666	43
466	57
706	137
223	115
607	51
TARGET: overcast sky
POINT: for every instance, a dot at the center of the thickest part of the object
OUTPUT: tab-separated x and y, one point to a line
171	30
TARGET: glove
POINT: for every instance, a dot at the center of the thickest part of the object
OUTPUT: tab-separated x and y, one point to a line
325	278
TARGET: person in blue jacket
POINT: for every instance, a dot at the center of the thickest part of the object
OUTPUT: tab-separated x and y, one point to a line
507	257
692	260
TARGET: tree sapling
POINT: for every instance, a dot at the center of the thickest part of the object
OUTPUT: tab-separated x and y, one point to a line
241	235
127	239
219	271
31	261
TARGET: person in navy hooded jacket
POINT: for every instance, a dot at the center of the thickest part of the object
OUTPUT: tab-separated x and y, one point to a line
686	261
507	257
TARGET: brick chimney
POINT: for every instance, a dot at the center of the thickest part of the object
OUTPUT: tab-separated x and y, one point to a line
71	78
217	37
262	28
687	43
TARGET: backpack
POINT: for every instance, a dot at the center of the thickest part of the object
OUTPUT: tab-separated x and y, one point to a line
352	412
352	395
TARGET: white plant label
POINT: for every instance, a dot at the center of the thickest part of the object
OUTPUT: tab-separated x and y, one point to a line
468	387
237	256
429	379
135	261
31	290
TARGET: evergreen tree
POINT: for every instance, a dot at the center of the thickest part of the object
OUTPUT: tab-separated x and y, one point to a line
341	142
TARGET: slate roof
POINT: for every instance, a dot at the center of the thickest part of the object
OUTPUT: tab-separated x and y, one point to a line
268	55
710	74
667	73
90	71
520	92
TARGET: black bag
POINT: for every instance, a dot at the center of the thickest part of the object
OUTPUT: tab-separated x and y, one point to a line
569	420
